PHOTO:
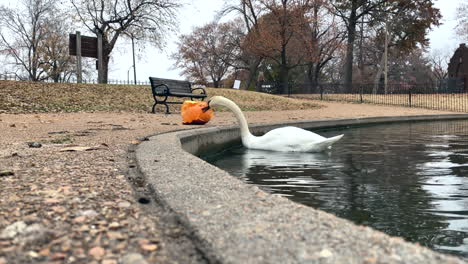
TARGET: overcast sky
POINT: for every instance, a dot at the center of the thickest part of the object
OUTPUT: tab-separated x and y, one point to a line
199	12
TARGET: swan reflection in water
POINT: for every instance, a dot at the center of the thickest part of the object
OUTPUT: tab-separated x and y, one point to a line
279	172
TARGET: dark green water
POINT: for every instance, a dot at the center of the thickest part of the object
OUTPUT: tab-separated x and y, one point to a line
407	179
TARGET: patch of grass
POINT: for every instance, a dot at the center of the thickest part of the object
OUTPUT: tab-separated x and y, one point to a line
33	97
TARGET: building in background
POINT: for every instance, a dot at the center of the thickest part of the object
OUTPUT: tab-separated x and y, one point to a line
458	69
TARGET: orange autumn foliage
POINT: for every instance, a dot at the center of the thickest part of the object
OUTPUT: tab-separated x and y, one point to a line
192	112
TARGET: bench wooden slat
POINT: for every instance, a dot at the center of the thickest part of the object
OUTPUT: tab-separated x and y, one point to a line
172	88
188	95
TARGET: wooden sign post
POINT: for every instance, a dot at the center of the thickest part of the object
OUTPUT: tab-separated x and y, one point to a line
79	69
99	57
83	46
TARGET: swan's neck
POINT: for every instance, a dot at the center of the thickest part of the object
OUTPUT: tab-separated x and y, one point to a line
244	128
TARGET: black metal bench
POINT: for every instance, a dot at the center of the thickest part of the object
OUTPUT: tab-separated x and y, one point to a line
164	88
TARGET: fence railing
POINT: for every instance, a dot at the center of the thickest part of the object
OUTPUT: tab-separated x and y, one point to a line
448	95
13	77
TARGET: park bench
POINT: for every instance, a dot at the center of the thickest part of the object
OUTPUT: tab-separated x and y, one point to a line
164	88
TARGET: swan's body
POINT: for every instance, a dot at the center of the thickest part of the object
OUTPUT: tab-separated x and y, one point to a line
291	139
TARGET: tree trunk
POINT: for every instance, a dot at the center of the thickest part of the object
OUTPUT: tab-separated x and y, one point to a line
284	71
34	67
253	67
348	65
378	75
312	77
55	73
315	81
283	87
107	48
105	66
56	77
215	83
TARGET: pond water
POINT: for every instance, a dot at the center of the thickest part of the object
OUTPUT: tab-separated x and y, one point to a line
405	179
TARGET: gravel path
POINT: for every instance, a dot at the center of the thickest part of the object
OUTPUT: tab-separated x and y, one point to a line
69	200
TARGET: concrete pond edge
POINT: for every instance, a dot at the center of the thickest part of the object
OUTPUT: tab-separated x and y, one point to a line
229	221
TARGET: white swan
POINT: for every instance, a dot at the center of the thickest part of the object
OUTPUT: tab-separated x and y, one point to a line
292	139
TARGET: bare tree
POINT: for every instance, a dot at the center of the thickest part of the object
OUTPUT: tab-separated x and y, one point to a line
408	22
439	60
462	20
309	32
22	33
321	41
205	54
235	54
249	11
415	68
351	12
144	19
279	36
403	28
54	54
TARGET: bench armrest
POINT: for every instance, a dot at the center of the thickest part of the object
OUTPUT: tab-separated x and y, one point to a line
160	89
200	88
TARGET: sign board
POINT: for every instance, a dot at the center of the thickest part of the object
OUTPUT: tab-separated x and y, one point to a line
236	84
88	46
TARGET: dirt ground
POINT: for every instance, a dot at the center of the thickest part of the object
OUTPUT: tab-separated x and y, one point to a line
69	200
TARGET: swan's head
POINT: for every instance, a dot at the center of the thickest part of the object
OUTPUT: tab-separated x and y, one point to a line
215	100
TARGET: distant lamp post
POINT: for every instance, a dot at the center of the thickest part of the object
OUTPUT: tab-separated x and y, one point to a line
133	55
128	74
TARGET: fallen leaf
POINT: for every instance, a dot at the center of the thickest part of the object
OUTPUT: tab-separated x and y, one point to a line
4	243
44	252
325	253
33	254
51	201
59	209
142	242
115	235
5	173
98	239
7	249
83	228
79	219
58	256
73	149
97	252
121	246
124	204
66	190
114	225
149	247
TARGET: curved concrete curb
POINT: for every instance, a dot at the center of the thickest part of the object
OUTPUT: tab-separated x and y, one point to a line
238	223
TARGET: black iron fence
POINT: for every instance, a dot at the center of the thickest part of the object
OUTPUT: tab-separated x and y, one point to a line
449	94
13	77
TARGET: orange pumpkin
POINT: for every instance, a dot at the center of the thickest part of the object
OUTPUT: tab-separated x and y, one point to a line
192	112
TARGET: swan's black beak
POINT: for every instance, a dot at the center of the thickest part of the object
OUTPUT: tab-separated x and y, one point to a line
206	108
